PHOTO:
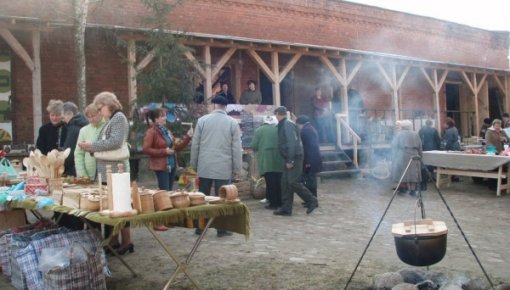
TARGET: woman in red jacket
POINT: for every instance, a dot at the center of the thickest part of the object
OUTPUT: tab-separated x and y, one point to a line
161	146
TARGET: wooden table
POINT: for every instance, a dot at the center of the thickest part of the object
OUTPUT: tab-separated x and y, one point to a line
232	217
463	164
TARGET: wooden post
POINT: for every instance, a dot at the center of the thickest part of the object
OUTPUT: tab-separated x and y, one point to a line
276	83
208	75
132	85
36	82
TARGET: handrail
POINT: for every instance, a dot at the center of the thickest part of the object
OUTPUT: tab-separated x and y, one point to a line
350	134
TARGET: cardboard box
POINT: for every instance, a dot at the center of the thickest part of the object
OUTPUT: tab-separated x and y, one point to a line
12	218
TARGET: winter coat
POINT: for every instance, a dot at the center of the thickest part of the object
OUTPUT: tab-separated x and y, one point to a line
451	137
493	138
250	97
289	141
229	97
73	130
312	162
406	144
49	137
430	139
216	150
265	144
115	133
154	145
84	162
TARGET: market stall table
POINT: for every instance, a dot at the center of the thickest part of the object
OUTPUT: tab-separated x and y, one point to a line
464	164
233	217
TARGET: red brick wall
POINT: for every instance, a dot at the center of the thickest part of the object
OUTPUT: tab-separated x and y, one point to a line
321	22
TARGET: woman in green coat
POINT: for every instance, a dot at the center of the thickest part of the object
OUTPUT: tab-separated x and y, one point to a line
269	160
84	162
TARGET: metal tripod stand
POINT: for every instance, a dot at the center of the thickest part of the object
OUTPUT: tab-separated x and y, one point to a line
420	204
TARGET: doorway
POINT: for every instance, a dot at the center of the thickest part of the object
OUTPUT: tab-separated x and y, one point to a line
453	104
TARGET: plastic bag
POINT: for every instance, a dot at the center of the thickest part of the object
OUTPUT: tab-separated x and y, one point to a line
62	257
188	179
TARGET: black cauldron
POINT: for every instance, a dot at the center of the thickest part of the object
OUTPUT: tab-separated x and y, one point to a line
420	242
417	250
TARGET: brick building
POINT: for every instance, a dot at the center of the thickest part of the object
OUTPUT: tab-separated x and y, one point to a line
402	65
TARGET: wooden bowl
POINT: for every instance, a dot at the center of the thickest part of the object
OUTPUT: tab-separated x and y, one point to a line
229	192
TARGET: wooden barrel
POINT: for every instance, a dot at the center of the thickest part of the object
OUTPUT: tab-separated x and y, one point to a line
162	201
147	202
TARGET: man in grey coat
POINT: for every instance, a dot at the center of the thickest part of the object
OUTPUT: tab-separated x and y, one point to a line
291	149
216	151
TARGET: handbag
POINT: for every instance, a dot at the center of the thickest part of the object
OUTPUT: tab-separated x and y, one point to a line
118	154
121	153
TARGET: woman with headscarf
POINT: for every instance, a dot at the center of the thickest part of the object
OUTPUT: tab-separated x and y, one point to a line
496	136
407	144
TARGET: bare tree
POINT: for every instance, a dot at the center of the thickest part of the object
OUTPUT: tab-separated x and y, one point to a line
80	24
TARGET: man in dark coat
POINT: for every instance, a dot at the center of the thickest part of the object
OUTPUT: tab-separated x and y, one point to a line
75	121
225	92
312	162
291	149
429	137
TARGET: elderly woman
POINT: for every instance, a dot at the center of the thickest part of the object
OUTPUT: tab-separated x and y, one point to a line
84	162
52	135
112	136
406	145
495	136
451	136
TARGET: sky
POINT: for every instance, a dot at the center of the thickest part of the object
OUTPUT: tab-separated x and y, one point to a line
486	14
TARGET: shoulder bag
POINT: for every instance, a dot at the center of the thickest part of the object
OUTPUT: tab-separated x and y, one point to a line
118	154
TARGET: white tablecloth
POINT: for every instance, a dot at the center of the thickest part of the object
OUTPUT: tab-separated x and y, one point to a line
459	160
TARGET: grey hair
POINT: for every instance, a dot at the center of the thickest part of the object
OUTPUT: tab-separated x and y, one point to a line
70	107
55	107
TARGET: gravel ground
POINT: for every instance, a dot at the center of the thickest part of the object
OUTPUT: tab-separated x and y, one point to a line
320	250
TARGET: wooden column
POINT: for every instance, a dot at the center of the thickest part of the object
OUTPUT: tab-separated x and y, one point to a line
275	68
503	86
36	82
436	85
208	75
395	83
475	86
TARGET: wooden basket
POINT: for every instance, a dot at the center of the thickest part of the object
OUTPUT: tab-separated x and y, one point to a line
89	202
229	192
162	201
196	198
180	199
55	184
147	202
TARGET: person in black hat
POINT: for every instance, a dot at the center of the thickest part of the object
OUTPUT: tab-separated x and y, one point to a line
216	151
312	162
291	149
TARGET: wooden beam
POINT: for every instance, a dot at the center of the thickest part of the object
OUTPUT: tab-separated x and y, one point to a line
36	83
146	60
262	65
17	48
385	75
333	70
222	61
354	71
292	62
195	63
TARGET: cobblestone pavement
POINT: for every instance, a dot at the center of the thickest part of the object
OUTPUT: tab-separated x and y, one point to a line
320	251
